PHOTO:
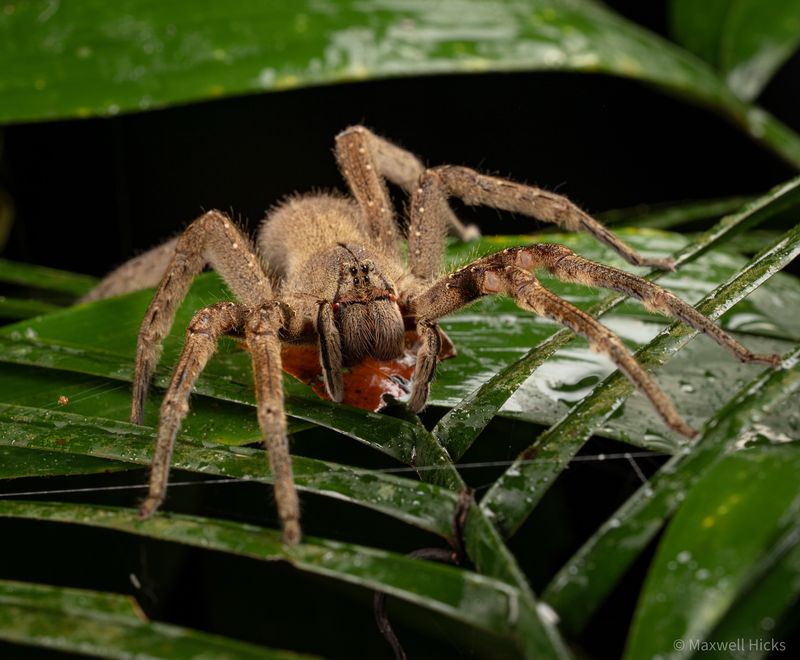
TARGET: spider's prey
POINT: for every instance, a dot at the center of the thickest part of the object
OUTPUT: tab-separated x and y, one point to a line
330	269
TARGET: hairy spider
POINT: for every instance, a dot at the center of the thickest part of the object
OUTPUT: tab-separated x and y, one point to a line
336	276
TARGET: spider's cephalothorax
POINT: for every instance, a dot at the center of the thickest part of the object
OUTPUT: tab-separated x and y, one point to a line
329	268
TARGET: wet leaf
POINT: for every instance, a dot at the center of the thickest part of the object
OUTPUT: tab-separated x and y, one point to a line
773	589
729	521
106	625
489	337
420	504
588	577
19	462
42	277
462	595
746	40
83	59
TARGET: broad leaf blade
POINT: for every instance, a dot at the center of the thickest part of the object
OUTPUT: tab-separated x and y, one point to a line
746	40
88	58
42	277
588	577
521	487
728	522
415	503
462	595
106	625
459	428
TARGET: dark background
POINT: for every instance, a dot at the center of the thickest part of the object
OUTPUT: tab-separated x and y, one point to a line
90	194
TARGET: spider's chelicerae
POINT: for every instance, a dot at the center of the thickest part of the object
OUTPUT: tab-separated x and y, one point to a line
336	275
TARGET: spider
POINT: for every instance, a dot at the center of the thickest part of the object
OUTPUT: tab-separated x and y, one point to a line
329	268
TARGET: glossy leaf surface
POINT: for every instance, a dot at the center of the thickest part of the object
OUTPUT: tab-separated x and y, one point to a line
106	625
89	58
746	40
728	522
459	594
588	577
489	336
416	503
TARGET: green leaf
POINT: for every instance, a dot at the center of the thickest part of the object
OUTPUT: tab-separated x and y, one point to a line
587	578
726	525
19	462
669	216
462	595
42	277
15	308
746	40
774	588
82	59
106	625
423	505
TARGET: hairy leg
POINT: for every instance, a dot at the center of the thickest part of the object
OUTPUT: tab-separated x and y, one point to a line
365	159
429	208
569	267
201	342
211	239
261	335
141	272
507	273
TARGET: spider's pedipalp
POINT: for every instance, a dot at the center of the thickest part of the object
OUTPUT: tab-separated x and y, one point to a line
425	369
202	335
330	351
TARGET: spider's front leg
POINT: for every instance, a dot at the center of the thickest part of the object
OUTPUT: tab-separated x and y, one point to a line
507	273
202	335
502	273
211	239
262	336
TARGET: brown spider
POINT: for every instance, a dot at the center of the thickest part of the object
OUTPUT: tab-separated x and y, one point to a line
337	276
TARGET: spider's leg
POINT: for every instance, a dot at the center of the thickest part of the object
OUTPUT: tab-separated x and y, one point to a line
429	201
141	272
569	267
261	335
201	341
365	159
211	239
498	274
